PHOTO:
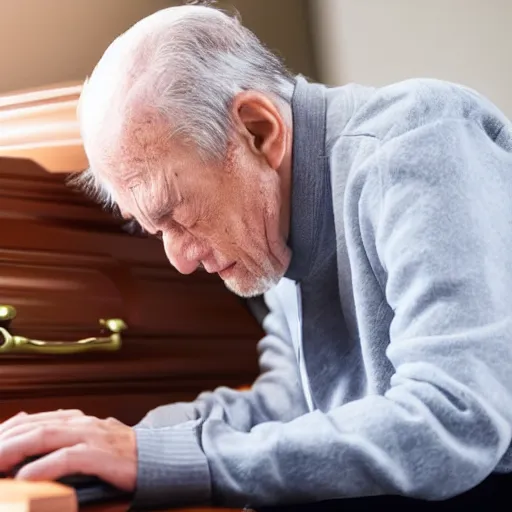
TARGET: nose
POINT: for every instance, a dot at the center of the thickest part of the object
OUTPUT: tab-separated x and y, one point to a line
184	251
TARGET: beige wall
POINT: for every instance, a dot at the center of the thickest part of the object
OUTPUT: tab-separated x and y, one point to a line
381	41
44	42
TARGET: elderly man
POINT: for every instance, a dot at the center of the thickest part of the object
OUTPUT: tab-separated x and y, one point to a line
378	225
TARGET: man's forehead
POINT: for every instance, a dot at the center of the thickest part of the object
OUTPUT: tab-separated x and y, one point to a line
135	142
143	161
130	165
132	204
145	191
145	137
134	183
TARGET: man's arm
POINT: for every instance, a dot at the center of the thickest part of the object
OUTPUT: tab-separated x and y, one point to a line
444	236
275	395
125	456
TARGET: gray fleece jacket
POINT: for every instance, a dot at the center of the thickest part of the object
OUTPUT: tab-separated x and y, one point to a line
387	364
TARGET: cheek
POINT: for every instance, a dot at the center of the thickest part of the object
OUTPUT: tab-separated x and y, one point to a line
232	210
206	223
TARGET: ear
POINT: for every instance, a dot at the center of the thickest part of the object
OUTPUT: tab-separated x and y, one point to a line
261	125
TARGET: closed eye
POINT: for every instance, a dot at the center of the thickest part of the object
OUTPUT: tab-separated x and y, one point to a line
189	225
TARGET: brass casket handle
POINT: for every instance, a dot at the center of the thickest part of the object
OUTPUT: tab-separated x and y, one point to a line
11	344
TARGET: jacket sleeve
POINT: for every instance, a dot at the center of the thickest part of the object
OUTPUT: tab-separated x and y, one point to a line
276	395
442	222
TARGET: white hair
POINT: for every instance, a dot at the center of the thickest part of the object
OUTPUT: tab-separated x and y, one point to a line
187	63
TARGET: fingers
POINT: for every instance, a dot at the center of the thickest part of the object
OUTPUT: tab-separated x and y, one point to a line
23	418
69	442
70	422
80	459
75	459
27	427
37	441
15	420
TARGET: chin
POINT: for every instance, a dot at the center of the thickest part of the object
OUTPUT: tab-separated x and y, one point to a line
251	286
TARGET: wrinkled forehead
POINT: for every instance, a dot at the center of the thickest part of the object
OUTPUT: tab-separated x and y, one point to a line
143	140
145	192
136	158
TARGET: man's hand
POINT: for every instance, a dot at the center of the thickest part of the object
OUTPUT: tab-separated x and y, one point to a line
71	443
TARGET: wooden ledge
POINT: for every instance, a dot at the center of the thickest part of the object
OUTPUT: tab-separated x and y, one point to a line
41	125
18	496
